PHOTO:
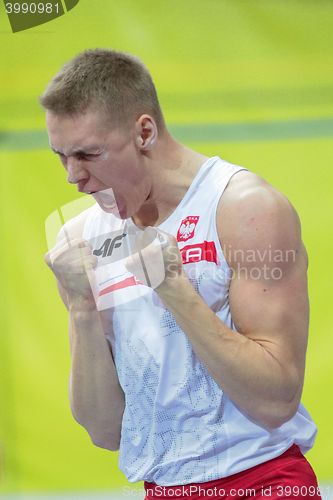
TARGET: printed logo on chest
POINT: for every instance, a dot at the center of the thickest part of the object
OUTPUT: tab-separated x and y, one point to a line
187	228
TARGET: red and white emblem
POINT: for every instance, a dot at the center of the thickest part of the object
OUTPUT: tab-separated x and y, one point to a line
187	228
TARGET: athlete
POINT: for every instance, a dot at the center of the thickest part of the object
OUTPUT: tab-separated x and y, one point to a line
194	374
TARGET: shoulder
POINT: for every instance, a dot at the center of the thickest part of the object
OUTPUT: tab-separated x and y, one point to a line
253	215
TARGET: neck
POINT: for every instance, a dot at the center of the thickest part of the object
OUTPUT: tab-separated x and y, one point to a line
172	168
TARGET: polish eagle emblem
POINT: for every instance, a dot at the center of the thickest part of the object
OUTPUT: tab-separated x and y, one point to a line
187	228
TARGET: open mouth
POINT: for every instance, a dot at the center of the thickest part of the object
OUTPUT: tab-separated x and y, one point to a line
106	200
109	205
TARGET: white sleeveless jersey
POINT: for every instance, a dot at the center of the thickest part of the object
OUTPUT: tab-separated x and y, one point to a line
179	426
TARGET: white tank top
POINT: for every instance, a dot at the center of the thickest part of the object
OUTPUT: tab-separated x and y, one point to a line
179	426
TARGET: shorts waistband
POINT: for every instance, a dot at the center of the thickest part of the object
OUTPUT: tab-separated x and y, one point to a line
293	451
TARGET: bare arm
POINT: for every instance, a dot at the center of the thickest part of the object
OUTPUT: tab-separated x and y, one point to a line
96	398
261	366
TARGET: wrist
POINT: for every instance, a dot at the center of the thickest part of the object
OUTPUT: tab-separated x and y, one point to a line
79	303
83	319
173	285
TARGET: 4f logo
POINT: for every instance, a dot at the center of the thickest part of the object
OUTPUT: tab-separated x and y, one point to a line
109	245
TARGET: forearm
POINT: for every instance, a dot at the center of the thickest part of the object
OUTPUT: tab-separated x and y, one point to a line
97	400
243	368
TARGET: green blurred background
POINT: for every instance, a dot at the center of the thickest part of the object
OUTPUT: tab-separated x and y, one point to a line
250	81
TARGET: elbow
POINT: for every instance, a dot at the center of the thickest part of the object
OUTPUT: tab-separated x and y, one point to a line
107	442
282	414
278	412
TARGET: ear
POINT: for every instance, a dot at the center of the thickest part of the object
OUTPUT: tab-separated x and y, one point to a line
146	132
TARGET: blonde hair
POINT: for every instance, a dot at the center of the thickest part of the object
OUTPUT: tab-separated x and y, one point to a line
116	83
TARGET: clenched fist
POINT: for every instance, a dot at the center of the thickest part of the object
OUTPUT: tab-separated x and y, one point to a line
72	263
157	259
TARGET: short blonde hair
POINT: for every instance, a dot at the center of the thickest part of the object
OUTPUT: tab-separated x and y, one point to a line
116	83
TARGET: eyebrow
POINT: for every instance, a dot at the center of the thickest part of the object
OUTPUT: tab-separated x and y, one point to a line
84	150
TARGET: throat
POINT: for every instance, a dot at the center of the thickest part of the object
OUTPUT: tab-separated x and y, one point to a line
169	192
150	215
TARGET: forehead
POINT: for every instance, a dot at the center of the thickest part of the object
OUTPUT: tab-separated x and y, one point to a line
84	131
76	127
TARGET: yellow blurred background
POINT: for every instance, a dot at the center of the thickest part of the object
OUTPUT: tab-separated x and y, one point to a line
250	81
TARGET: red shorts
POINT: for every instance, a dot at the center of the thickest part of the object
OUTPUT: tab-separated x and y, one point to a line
288	476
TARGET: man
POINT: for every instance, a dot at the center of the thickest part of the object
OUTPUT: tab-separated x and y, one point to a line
195	376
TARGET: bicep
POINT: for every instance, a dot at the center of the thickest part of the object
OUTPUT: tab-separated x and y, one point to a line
274	311
268	291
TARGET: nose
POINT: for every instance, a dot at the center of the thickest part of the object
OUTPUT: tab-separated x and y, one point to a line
75	171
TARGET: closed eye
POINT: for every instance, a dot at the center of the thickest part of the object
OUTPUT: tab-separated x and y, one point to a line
79	155
87	156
